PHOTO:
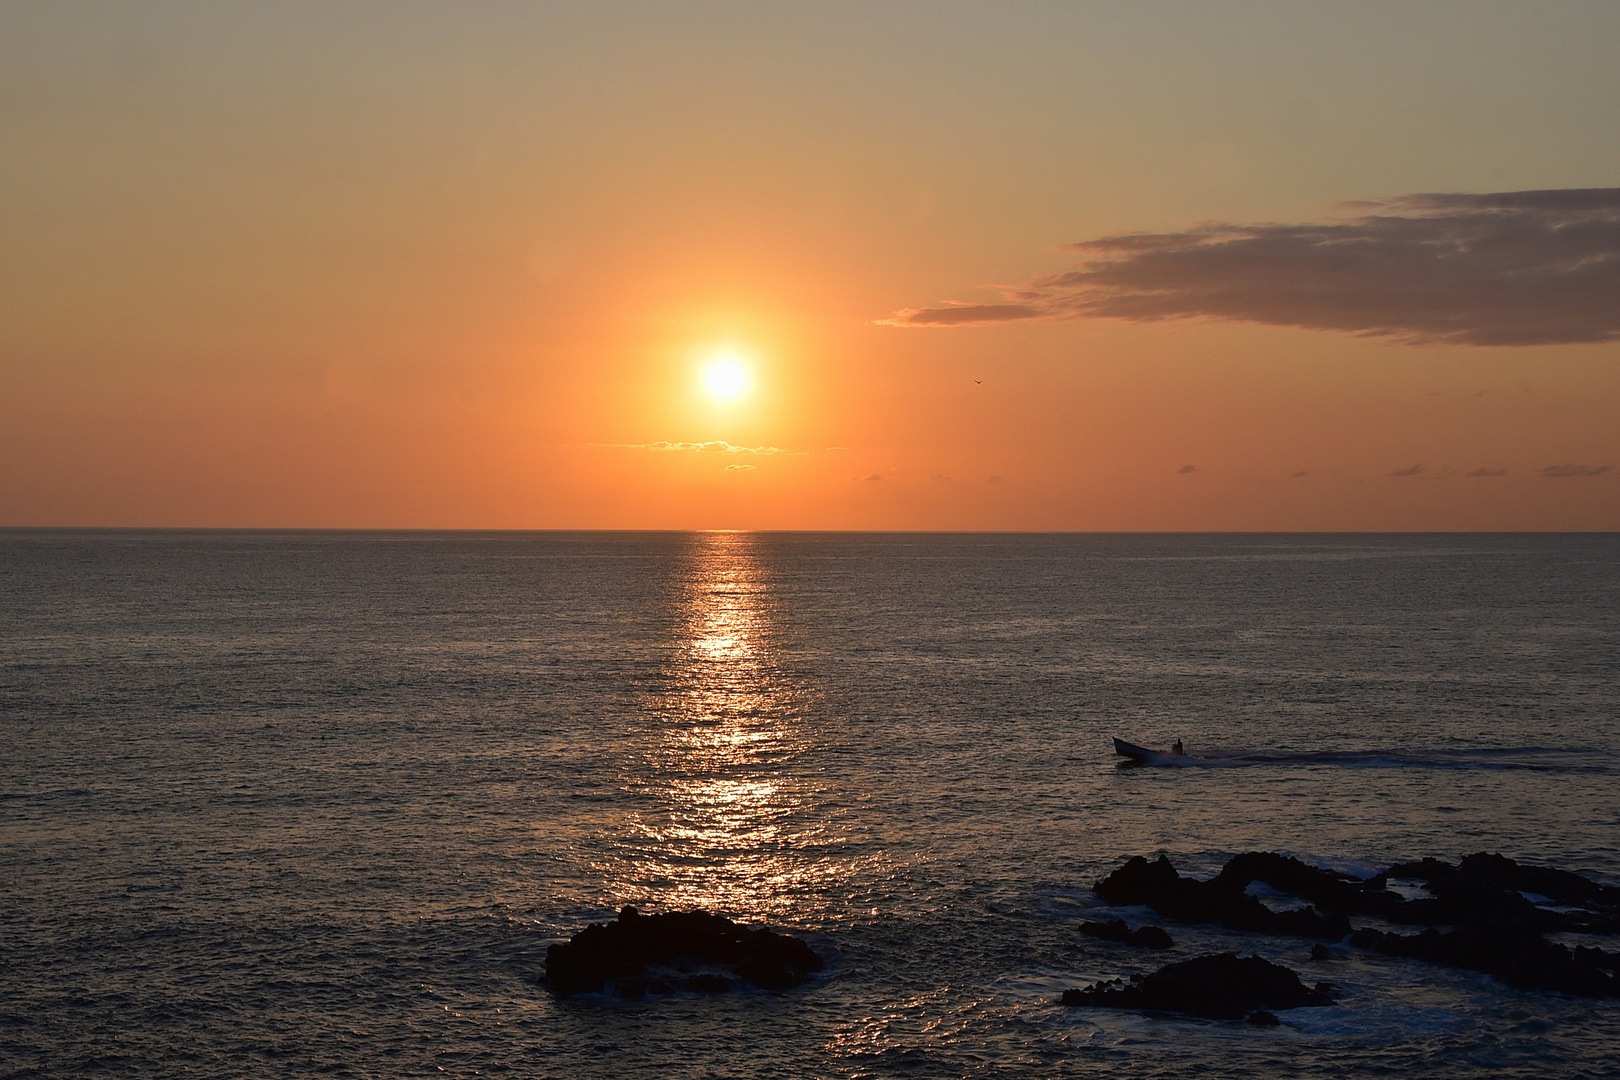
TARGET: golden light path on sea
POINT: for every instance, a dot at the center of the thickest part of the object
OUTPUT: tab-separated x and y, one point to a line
738	824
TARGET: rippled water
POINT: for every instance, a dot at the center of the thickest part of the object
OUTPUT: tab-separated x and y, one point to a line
317	802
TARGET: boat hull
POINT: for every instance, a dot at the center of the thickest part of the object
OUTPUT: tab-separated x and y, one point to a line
1140	755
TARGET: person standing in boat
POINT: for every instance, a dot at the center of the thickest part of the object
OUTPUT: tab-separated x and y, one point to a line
1177	750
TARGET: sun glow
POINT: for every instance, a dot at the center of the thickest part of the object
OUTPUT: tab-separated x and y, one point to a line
725	379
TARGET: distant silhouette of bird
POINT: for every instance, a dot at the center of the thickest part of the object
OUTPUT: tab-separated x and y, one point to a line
976	382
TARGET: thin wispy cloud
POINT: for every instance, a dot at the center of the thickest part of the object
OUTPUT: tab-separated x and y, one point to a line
1415	470
1488	472
954	314
1510	268
716	446
1570	472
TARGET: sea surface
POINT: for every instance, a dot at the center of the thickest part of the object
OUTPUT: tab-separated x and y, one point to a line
303	804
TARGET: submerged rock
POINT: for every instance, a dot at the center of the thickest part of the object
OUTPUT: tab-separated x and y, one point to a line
1148	937
1219	987
689	951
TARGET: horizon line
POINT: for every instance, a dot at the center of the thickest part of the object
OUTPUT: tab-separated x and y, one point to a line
475	530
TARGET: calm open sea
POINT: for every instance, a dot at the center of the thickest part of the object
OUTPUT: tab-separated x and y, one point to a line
301	803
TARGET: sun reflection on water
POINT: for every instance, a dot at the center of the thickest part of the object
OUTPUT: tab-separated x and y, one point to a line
732	818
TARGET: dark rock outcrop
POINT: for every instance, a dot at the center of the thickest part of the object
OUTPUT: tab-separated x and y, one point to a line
1188	900
1598	958
1148	937
1488	888
1562	886
690	951
1327	890
1220	987
1516	955
1478	911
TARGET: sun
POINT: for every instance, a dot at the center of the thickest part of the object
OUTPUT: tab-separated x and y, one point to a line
725	379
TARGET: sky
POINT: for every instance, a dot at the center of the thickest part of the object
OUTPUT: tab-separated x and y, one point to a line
1007	266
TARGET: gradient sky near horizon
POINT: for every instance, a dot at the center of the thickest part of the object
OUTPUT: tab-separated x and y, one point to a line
1139	266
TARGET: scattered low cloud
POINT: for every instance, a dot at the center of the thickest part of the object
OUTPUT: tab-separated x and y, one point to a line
1297	475
954	314
1185	469
1415	470
874	478
717	446
1488	472
738	468
1567	472
1509	268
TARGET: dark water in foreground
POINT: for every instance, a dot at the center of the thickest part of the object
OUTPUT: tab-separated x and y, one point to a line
316	803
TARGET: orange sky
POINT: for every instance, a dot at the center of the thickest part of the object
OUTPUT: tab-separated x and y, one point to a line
461	266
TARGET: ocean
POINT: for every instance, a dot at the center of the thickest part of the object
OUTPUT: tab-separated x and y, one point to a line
302	803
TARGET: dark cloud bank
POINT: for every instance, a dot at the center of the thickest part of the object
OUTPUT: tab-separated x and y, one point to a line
1513	268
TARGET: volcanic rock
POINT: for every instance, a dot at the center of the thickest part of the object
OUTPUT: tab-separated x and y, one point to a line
1493	912
690	951
1516	955
1219	987
1188	900
1327	890
1148	937
1598	958
1489	888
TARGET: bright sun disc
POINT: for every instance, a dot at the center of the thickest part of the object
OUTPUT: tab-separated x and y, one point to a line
725	380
